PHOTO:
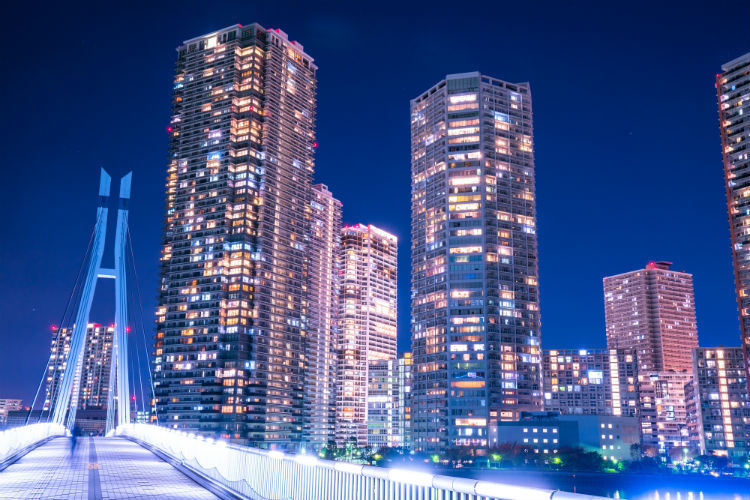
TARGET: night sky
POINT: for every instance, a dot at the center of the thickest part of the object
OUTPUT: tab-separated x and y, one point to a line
627	144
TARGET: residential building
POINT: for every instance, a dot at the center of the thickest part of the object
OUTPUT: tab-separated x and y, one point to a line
719	401
404	399
383	404
663	410
475	297
590	381
733	92
232	308
92	378
652	312
7	405
367	332
323	313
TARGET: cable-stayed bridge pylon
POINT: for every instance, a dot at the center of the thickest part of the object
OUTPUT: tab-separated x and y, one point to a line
65	403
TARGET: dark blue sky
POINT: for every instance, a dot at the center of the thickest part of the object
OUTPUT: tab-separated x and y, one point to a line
626	136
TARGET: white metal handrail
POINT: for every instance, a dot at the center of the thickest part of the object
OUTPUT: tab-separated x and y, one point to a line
16	439
274	475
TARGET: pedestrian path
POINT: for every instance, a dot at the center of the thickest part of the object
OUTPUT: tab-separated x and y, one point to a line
98	469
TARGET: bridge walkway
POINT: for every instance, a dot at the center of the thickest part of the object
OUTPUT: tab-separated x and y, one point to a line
99	469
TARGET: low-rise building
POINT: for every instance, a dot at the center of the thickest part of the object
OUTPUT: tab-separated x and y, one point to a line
548	432
541	431
7	405
612	436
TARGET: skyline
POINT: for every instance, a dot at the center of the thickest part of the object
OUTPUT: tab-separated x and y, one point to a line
73	222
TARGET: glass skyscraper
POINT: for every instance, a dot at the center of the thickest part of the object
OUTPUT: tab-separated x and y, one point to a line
232	312
475	296
733	89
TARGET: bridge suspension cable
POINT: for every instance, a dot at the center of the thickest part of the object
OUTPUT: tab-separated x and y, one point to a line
139	303
60	325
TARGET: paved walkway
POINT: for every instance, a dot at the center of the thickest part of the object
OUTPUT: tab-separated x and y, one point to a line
100	468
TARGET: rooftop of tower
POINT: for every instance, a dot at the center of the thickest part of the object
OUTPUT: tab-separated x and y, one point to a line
658	265
745	58
522	87
233	28
369	228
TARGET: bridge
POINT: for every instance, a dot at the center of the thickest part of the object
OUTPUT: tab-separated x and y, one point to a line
148	461
152	461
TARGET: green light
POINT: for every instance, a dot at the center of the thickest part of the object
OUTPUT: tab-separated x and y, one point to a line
496	457
557	460
436	458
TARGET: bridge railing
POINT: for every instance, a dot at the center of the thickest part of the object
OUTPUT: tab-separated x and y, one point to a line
272	475
18	439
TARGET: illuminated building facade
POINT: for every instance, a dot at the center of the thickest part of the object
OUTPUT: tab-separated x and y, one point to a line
367	331
383	404
323	312
231	315
590	381
733	89
651	311
91	382
475	298
663	409
548	431
404	399
720	401
7	405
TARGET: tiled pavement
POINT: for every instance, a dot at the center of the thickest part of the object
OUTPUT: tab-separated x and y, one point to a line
100	468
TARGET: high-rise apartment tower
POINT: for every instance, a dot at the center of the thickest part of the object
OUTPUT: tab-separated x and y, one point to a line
367	331
475	297
231	317
91	381
733	89
323	313
652	312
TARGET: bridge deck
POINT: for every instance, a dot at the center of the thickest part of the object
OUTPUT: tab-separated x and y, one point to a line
100	468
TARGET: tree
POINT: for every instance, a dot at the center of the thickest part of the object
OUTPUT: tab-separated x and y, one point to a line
650	451
329	450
